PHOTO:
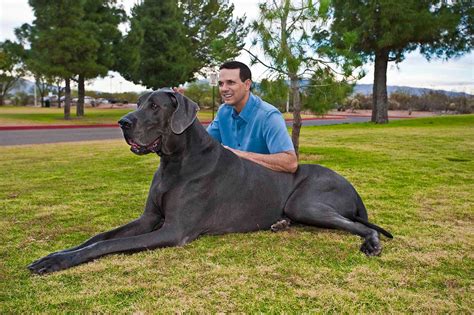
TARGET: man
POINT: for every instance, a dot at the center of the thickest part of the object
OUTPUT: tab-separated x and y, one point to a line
248	126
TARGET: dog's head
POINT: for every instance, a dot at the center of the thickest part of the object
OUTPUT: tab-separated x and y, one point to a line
160	118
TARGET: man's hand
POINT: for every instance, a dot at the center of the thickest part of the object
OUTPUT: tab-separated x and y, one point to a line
281	162
179	90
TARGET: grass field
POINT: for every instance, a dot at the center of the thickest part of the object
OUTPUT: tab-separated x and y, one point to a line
416	177
16	115
10	115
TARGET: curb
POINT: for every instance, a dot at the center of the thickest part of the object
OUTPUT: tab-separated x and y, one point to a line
355	116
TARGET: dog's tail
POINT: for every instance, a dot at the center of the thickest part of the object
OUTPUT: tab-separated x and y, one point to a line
362	217
373	226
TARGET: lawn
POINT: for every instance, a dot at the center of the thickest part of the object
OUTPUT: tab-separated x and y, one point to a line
16	115
415	176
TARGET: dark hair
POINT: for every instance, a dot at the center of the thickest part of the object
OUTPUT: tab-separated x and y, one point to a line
244	70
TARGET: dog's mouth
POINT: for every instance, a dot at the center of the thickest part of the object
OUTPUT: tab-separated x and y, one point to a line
139	149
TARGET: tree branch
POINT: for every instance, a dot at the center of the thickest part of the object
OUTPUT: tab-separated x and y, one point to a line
263	63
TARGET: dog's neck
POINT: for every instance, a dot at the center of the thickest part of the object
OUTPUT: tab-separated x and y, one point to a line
193	141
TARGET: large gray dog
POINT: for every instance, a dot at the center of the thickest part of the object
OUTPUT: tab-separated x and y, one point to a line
203	188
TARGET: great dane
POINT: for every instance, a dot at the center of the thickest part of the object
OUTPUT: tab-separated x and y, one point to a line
202	188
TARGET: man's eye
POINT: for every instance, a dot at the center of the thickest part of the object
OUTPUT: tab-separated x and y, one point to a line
153	106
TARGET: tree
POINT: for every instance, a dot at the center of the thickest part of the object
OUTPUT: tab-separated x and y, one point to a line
70	39
100	23
170	41
215	36
11	68
201	93
57	41
293	38
33	63
275	92
324	92
386	30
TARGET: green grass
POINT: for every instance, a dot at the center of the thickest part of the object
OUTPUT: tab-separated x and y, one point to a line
415	176
15	115
10	115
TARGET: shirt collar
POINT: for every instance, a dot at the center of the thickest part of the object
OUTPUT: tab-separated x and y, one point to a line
247	113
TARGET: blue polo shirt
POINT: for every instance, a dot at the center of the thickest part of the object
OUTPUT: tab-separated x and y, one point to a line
259	128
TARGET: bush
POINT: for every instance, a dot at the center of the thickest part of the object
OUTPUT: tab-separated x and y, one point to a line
433	101
201	93
22	99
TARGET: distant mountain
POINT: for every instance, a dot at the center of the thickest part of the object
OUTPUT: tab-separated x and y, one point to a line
367	89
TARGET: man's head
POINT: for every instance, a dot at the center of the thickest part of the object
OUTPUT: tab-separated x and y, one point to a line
235	80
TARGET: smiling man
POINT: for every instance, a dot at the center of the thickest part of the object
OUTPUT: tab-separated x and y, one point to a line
248	126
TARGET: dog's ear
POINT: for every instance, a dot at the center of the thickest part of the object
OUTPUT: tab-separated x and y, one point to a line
143	98
184	115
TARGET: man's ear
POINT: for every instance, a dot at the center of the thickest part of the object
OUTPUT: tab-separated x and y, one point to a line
248	84
184	115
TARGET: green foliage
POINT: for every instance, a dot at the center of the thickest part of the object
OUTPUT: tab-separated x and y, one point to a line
215	35
21	99
432	101
201	93
71	38
294	38
170	41
325	92
11	67
386	30
438	28
58	195
275	92
101	21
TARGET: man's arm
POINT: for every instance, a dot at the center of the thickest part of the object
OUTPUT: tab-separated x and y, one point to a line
280	162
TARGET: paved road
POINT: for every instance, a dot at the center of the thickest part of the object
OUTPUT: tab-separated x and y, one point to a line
37	136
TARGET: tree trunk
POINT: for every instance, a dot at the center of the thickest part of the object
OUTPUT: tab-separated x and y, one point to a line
1	93
379	94
295	133
80	97
59	94
67	99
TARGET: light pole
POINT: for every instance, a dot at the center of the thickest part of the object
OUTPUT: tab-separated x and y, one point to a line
213	82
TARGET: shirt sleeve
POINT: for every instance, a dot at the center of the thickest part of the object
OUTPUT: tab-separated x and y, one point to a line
276	135
213	129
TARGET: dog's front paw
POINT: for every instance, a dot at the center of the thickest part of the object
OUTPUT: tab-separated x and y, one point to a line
371	246
51	263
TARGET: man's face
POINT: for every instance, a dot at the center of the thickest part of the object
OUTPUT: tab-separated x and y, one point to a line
233	91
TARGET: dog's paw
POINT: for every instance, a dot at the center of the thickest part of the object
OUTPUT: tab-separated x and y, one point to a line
280	225
51	263
371	246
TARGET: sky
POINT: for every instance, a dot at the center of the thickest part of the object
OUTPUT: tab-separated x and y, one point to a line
452	75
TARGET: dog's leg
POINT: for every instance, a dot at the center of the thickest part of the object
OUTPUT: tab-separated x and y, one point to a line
165	237
142	225
324	216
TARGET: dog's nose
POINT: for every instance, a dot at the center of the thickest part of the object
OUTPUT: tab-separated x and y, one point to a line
125	123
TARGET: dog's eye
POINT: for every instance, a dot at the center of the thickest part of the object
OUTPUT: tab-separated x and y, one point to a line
153	106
